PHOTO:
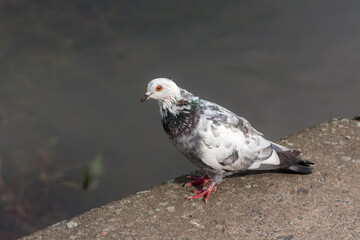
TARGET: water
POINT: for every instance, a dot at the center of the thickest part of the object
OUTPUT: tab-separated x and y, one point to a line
72	75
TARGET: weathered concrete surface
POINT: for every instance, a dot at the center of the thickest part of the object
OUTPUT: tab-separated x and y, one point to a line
324	205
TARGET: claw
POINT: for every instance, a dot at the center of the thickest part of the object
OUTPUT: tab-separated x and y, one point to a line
205	192
193	178
201	191
198	181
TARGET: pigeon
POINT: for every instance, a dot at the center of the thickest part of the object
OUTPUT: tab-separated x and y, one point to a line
215	139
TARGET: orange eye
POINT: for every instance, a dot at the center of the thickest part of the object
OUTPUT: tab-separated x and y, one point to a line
159	88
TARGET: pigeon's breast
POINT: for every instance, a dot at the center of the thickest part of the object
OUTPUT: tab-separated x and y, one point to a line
181	125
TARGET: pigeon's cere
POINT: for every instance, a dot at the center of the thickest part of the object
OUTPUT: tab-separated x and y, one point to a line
215	139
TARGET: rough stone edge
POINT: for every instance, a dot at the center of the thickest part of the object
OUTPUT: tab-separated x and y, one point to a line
176	179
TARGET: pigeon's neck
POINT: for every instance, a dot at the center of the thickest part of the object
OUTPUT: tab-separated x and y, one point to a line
168	106
175	106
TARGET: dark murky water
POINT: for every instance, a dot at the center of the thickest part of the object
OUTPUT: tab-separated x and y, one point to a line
72	74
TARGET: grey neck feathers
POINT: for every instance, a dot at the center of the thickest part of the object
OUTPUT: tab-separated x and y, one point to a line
175	106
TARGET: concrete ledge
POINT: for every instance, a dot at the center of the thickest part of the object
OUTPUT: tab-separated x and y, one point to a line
324	205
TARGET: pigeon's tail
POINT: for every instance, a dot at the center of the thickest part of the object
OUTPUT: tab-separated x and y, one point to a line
290	160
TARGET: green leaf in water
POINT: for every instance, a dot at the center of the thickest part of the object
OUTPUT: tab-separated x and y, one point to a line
97	166
86	180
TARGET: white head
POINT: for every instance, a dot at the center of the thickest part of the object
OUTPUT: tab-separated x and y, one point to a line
162	89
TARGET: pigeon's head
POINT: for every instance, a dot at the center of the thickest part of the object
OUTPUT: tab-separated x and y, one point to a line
162	89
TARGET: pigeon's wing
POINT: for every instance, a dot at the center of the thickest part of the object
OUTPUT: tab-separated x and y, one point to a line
228	142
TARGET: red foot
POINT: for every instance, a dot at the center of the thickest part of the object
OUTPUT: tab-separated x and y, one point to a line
205	192
198	181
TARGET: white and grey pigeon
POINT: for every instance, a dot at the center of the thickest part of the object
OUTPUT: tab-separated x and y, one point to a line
215	139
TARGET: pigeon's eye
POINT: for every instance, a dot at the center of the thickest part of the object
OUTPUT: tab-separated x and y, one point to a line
159	88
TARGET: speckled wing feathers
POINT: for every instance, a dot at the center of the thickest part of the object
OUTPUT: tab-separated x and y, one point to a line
231	143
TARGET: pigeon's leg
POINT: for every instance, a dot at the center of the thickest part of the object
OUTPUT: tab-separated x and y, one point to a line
198	181
205	192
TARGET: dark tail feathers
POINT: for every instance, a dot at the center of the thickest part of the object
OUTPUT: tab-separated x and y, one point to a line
290	160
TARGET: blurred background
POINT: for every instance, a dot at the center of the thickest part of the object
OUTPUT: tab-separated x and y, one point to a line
73	134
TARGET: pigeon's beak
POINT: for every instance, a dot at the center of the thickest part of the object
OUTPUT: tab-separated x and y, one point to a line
145	97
